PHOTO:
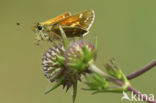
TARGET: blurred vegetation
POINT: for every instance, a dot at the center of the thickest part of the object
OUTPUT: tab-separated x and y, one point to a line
125	30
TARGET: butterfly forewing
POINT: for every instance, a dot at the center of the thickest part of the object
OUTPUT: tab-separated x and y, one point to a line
82	19
60	17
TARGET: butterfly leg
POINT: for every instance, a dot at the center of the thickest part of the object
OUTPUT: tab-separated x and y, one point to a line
81	37
37	42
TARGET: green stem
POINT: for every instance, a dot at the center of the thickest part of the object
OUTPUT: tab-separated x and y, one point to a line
120	83
74	90
64	37
117	90
94	68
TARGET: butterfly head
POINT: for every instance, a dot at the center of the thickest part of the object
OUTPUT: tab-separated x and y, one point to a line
38	27
41	31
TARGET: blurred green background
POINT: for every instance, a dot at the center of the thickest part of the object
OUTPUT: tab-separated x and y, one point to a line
126	30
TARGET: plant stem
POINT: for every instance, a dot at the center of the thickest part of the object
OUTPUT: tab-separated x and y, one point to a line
131	89
120	83
94	68
142	70
64	37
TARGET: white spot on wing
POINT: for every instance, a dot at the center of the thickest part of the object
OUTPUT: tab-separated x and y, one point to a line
93	14
86	20
81	15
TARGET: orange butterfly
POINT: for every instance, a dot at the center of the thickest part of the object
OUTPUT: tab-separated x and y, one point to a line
73	25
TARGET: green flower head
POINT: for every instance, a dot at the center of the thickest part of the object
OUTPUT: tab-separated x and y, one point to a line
79	56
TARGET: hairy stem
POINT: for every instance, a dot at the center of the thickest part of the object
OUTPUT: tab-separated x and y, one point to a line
142	70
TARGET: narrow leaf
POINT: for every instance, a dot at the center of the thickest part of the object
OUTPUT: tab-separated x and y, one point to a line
58	83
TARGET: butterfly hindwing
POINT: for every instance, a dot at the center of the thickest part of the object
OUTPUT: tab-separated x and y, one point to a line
70	31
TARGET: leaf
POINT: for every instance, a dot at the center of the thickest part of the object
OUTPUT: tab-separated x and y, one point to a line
58	83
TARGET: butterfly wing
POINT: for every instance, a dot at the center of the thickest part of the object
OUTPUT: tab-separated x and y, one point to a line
82	19
62	16
70	31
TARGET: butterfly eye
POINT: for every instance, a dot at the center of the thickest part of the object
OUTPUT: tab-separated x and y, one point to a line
39	27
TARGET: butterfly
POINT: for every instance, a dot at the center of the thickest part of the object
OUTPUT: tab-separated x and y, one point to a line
75	25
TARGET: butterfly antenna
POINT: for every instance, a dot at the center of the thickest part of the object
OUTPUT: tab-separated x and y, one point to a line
19	24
